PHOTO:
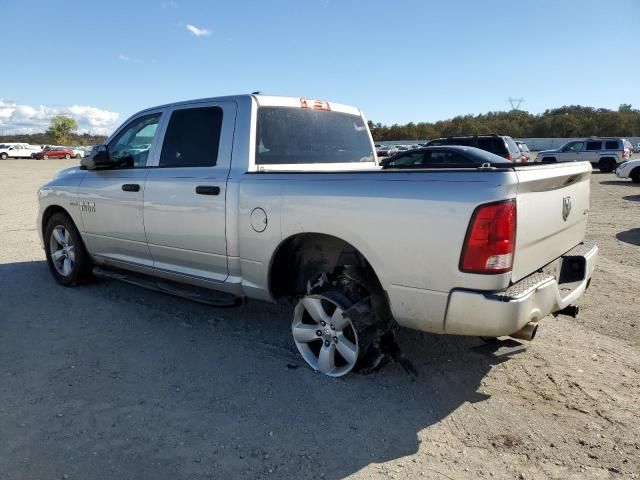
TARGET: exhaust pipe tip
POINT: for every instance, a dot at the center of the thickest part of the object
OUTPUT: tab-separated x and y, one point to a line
528	332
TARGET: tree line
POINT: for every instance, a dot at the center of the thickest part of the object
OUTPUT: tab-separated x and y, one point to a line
567	121
62	131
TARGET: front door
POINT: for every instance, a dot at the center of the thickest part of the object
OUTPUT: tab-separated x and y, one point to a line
184	199
111	200
572	152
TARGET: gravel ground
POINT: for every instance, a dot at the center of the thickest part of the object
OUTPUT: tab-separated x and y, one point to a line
112	381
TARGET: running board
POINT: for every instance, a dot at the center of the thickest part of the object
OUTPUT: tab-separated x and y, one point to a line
188	292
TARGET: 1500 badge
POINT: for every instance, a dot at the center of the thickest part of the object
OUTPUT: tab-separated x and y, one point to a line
88	207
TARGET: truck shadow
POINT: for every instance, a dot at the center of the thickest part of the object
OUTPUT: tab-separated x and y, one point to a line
632	198
631	236
164	388
627	183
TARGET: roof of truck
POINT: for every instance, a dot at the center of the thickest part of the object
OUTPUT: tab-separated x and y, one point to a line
265	100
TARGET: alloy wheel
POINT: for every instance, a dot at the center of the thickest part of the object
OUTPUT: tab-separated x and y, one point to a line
324	335
62	251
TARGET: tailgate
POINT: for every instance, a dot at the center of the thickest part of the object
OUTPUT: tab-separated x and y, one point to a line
553	205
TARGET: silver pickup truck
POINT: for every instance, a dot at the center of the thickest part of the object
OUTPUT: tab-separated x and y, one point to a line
273	198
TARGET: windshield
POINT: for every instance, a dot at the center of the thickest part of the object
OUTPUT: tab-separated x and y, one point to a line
288	135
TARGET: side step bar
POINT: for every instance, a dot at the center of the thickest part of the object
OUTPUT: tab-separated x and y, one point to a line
188	292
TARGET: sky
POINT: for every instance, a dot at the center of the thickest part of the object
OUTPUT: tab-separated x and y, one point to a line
400	61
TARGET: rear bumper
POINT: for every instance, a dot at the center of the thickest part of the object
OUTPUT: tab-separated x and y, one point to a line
494	314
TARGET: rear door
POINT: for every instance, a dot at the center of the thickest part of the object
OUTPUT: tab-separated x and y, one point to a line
552	206
592	151
184	199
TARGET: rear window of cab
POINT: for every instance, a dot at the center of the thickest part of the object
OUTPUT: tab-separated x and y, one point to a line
289	135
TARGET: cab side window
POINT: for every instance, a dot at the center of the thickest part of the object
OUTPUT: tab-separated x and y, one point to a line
192	138
130	148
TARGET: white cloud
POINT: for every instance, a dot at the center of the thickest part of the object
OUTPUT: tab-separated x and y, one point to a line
124	58
169	4
16	118
198	32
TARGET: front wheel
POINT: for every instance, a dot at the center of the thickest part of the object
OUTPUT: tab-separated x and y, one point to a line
67	156
45	157
68	260
344	323
635	175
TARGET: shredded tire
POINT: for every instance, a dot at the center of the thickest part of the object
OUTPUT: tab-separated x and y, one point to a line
369	313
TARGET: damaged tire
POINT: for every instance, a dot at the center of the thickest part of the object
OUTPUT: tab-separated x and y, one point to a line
344	323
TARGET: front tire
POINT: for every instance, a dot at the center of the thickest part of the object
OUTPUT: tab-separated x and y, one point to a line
344	323
67	157
635	175
67	258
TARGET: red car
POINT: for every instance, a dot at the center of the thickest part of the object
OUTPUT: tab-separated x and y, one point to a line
55	152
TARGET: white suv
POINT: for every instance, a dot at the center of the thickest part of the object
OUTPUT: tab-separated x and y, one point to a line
605	153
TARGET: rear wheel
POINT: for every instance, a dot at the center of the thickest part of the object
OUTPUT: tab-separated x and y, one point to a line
344	323
607	165
68	260
45	157
3	156
635	175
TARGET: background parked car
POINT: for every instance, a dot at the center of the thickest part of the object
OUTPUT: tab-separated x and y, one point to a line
78	152
630	169
524	150
501	145
605	153
442	157
55	152
636	149
18	150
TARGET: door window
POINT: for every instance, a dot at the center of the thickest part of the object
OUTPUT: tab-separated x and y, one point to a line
130	148
192	138
591	146
574	147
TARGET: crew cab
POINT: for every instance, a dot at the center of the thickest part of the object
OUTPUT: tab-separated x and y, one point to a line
272	198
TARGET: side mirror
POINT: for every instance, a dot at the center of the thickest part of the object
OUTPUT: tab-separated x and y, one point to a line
98	159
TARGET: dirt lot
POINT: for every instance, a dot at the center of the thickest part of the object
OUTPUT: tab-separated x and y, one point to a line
112	381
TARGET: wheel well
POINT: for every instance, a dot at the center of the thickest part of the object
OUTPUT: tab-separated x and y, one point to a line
49	212
304	256
604	159
635	171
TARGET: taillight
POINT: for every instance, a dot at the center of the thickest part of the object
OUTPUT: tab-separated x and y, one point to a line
491	237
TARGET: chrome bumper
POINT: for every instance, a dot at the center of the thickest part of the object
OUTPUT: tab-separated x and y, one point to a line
495	314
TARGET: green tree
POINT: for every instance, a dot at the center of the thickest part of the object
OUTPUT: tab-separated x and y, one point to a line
61	128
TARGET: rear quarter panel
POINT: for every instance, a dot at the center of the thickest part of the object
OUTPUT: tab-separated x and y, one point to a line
409	226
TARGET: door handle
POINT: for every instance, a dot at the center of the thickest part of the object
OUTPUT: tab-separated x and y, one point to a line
207	190
131	187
